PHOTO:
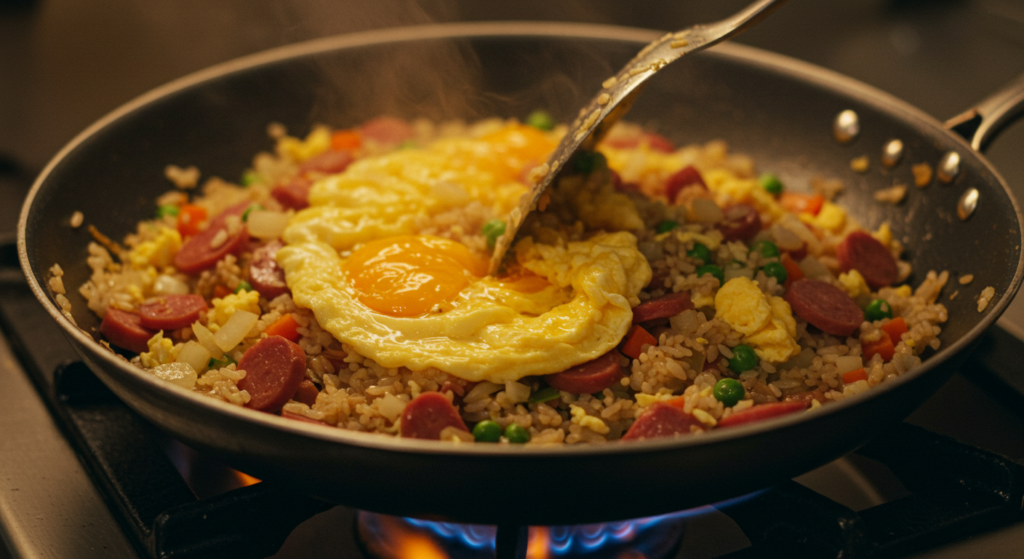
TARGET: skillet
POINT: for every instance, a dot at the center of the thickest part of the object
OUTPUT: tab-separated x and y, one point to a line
777	110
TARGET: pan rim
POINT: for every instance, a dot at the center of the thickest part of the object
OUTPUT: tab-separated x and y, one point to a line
803	70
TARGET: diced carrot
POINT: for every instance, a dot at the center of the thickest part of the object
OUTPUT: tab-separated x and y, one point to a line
678	402
636	339
346	140
895	328
801	203
190	217
221	291
286	327
793	271
854	376
882	346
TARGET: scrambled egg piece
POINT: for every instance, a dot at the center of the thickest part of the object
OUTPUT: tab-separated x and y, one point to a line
854	284
766	322
317	142
161	351
595	424
224	308
831	218
158	252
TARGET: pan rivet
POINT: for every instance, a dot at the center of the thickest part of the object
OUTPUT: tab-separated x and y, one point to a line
892	152
967	204
949	166
846	126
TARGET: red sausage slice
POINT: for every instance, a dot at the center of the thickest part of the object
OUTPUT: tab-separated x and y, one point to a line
198	252
661	420
328	162
274	369
825	306
427	415
293	194
168	312
125	330
687	176
306	393
862	252
387	130
741	222
762	412
590	377
265	275
662	307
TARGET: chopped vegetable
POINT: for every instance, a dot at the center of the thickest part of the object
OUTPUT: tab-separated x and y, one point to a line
667	225
167	210
223	361
743	358
250	177
286	327
543	395
714	270
492	230
636	339
245	214
541	120
346	140
266	224
767	249
878	309
221	291
190	217
729	391
801	203
895	328
517	434
487	431
855	375
235	329
777	271
770	183
882	346
699	252
793	270
243	286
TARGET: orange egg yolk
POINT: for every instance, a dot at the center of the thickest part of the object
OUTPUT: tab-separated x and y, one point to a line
410	275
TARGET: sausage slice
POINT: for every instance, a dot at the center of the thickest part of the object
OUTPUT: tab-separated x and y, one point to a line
590	377
662	307
862	252
274	369
686	176
125	330
741	222
328	162
427	415
762	412
206	247
293	193
824	306
265	275
387	130
661	420
168	312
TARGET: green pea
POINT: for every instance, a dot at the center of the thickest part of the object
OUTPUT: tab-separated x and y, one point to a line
243	286
167	210
714	270
771	184
487	431
729	391
588	161
877	310
543	395
224	361
775	270
250	177
492	230
541	120
666	226
767	249
516	434
743	358
699	252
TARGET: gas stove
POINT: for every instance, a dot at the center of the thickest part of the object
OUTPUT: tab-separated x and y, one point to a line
83	476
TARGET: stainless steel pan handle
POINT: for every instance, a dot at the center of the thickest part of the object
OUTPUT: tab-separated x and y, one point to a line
980	124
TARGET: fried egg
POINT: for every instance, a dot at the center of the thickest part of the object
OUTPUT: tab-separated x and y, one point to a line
358	259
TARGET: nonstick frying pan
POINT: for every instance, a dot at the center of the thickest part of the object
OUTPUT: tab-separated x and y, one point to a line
777	110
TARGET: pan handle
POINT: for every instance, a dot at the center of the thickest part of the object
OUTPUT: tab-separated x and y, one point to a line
980	124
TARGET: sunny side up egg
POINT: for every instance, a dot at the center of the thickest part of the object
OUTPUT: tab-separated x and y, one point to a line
358	259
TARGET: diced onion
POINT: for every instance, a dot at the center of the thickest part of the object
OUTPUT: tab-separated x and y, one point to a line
169	285
685	322
848	363
265	224
235	330
784	238
390	406
195	355
181	374
813	269
205	338
517	392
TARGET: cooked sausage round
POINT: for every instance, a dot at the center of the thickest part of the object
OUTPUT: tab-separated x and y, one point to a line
198	253
265	275
741	222
294	193
328	162
862	252
125	330
687	176
590	377
762	412
427	415
274	369
661	420
824	306
168	312
306	393
662	307
387	130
